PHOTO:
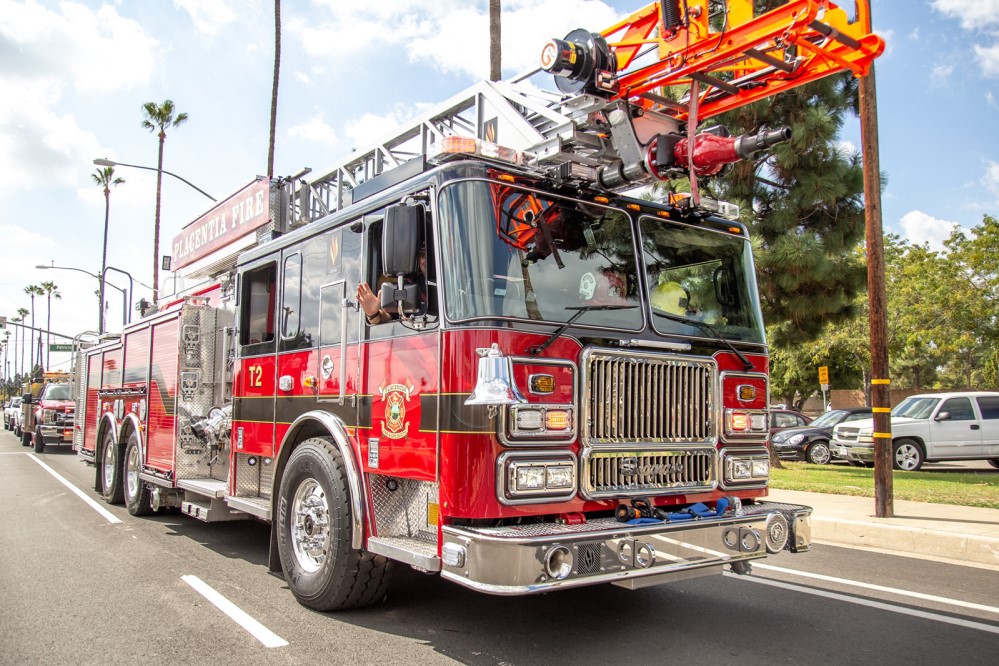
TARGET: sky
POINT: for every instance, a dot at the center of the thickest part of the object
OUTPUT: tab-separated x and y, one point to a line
74	75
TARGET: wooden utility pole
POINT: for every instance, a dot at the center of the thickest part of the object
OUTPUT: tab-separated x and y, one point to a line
495	51
877	310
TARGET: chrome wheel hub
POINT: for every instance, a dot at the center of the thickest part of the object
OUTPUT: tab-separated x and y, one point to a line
108	476
132	472
906	457
310	526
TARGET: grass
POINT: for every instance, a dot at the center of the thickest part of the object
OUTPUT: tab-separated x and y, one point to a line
965	489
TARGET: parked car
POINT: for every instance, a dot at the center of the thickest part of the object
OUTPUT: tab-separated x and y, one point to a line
929	428
786	418
811	442
9	408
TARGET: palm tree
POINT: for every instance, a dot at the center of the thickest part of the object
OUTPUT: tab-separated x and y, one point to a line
105	178
33	290
274	86
51	291
22	313
495	69
158	117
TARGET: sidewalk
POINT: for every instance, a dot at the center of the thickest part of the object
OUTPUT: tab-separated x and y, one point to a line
960	533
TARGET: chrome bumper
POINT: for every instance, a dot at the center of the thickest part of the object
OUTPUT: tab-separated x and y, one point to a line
519	559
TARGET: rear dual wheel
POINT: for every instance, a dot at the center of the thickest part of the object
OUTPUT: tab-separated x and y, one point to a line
109	470
135	490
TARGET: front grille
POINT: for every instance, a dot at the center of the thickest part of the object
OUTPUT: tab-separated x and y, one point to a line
847	434
633	397
616	473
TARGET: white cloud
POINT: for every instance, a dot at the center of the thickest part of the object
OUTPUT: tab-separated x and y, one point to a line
991	178
977	16
922	228
95	51
990	99
449	34
207	15
37	144
315	130
988	58
941	74
973	14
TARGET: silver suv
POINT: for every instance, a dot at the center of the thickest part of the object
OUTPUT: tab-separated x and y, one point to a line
929	428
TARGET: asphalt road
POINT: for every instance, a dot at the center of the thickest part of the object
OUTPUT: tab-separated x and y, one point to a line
76	588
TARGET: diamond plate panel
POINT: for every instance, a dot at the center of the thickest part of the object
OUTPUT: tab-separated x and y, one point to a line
401	507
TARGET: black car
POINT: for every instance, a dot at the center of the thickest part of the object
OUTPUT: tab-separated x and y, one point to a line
811	442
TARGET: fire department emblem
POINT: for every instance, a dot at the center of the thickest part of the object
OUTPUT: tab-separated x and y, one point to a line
395	397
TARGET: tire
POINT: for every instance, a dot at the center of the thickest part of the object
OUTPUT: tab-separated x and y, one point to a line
818	453
994	462
134	489
109	470
39	441
907	455
313	528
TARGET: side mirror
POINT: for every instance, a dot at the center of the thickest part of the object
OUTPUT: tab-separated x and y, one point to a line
942	416
26	399
401	239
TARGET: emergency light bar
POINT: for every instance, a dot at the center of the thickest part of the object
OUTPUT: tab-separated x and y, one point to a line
460	145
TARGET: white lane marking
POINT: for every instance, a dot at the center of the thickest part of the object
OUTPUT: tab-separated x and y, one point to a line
110	517
881	588
238	615
880	605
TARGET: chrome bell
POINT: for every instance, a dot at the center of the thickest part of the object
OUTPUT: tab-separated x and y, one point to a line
495	385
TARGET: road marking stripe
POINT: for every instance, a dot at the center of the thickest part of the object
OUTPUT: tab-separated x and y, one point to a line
110	517
881	588
880	605
239	616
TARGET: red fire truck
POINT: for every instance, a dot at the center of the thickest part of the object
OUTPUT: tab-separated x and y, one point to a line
568	386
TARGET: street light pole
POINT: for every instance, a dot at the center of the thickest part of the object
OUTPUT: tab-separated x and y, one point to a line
124	302
106	162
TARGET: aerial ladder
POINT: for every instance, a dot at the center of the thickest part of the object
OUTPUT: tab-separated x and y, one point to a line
629	99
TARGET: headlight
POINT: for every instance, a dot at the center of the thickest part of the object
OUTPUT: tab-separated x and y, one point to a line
535	477
865	437
743	468
796	439
745	423
48	415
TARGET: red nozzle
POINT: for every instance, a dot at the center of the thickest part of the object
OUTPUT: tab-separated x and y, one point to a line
712	152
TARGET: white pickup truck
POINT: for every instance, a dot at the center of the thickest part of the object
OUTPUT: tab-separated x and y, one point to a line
929	428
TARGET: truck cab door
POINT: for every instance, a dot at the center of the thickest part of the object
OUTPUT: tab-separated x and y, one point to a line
254	378
339	324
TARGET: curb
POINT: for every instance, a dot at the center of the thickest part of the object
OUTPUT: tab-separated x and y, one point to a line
908	540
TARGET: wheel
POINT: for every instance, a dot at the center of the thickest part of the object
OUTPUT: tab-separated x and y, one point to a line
818	453
109	471
135	490
994	462
39	441
908	455
313	528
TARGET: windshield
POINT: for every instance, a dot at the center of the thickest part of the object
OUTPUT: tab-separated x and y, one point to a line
703	276
523	254
513	252
56	392
829	418
915	408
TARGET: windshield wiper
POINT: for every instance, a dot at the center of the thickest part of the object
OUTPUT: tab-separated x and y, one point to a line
747	364
537	349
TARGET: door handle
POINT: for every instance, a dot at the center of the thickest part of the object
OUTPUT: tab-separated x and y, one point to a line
975	426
